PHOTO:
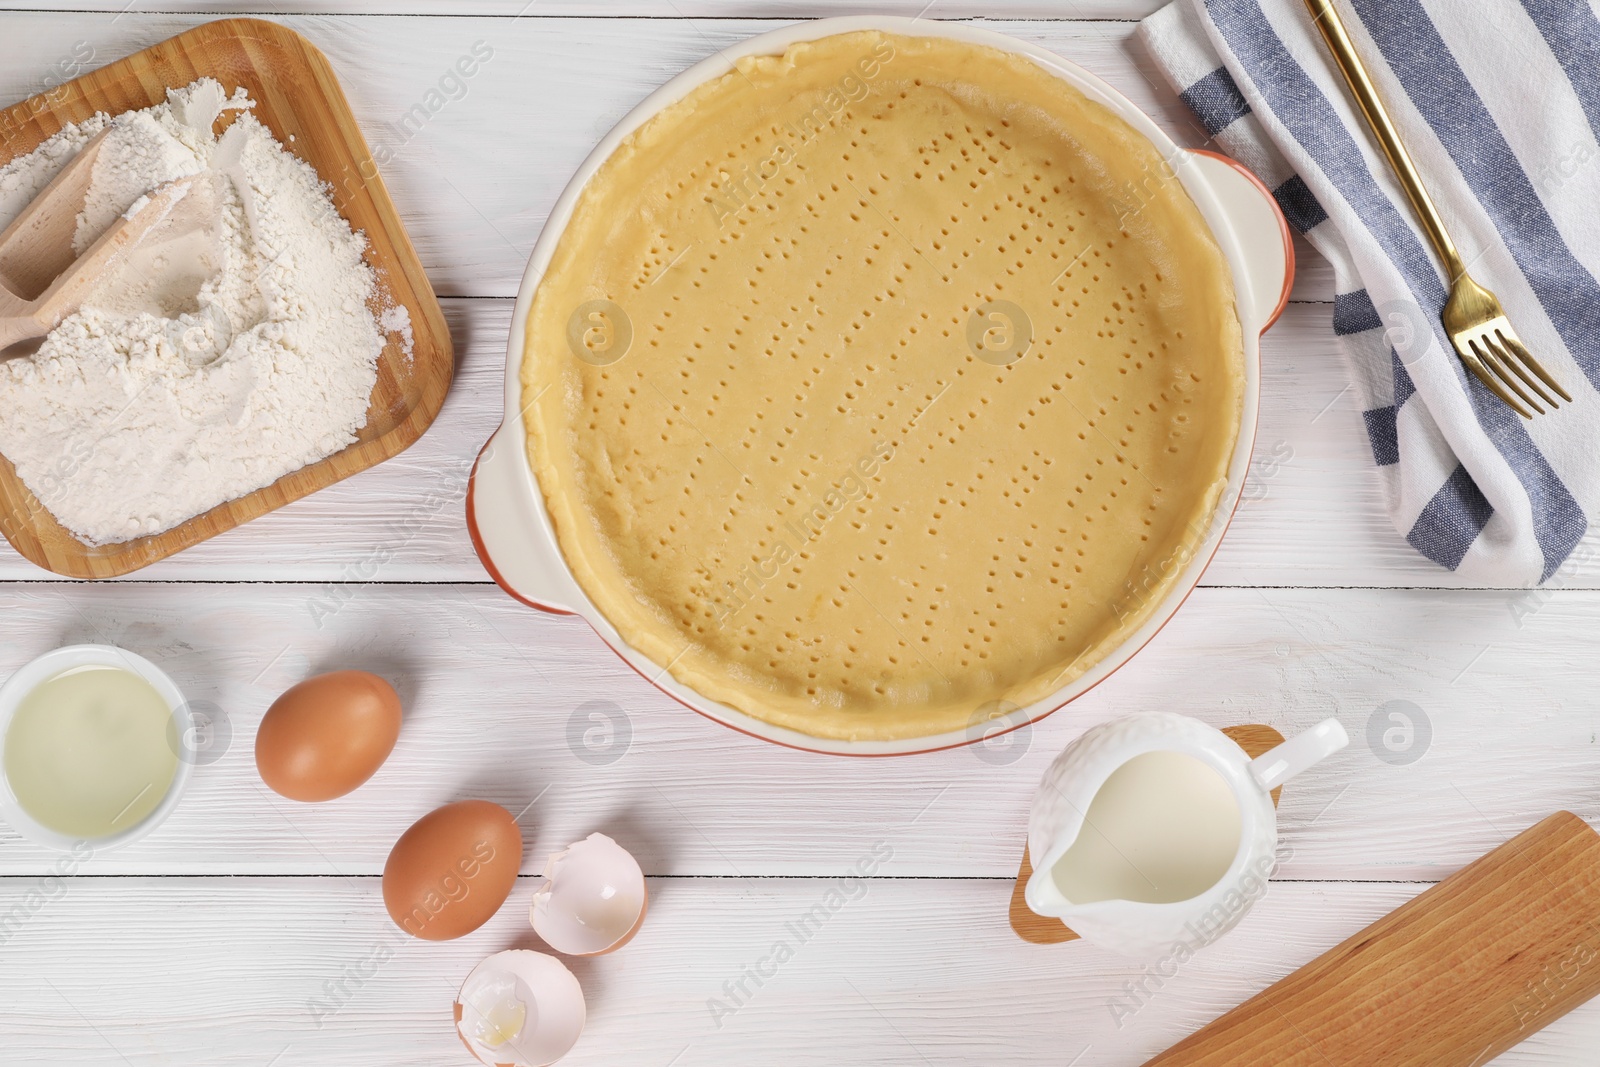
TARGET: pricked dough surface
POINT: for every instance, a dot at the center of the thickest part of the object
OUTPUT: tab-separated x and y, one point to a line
823	481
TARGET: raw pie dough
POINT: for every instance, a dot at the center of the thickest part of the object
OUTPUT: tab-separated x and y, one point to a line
882	386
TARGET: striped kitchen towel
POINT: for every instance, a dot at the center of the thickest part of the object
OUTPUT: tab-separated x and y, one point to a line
1499	104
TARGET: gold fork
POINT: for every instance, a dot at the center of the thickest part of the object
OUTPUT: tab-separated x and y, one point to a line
1472	315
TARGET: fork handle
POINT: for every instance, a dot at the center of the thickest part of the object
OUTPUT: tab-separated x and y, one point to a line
1355	74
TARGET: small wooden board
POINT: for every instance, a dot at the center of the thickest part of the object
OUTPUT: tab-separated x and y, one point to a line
1452	978
1043	930
296	96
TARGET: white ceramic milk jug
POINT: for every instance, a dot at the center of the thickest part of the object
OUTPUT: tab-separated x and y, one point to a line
1155	830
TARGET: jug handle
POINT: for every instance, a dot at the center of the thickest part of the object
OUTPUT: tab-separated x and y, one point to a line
1276	766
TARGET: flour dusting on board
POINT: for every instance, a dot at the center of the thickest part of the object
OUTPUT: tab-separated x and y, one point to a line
235	345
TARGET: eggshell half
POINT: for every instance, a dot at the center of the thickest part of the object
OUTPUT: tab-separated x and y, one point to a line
327	735
593	899
530	989
452	870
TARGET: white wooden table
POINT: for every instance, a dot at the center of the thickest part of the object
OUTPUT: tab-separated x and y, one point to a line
250	930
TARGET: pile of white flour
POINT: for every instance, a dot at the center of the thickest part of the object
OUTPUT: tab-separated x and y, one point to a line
235	346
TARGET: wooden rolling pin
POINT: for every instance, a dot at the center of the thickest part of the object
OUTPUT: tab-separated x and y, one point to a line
1452	978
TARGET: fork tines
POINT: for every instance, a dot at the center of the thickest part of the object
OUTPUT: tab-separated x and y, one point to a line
1496	355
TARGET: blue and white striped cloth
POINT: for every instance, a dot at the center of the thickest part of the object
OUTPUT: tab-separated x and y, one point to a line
1499	104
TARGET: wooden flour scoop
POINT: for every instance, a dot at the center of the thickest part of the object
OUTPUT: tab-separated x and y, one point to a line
42	281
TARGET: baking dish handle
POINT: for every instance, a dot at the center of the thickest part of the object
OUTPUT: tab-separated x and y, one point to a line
511	538
1262	230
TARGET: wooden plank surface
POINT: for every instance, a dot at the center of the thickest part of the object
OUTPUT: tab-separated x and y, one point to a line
909	972
492	689
212	940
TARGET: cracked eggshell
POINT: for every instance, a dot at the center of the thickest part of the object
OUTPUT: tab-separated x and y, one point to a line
593	899
520	1009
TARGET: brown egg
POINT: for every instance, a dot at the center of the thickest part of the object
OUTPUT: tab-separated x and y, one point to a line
452	870
327	735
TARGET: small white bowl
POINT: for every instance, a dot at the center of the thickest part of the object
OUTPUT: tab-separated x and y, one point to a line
31	676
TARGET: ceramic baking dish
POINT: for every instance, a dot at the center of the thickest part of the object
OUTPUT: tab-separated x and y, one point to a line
506	513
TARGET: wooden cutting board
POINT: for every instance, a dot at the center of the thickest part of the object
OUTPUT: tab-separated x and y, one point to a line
1452	978
1043	930
299	99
